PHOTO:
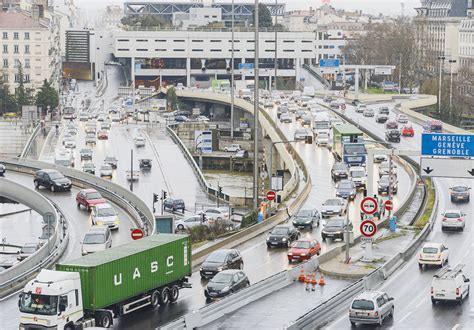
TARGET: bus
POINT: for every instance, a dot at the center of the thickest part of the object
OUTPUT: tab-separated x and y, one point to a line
348	145
201	81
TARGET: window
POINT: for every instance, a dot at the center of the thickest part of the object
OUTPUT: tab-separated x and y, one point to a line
123	49
17	63
16	35
17	78
123	40
215	50
197	40
5	49
76	292
270	41
160	50
160	40
142	40
178	40
16	49
5	77
306	41
197	50
216	40
288	41
5	35
27	36
142	50
178	50
27	78
5	63
27	49
27	63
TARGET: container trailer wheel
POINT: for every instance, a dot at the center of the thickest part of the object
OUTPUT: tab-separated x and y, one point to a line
164	296
155	298
174	293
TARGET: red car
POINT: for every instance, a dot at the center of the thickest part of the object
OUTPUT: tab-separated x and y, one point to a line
103	135
408	131
89	198
304	249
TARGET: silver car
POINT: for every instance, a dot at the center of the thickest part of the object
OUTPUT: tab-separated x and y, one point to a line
333	206
371	307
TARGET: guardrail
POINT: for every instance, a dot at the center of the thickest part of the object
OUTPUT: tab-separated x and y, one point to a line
41	205
197	171
27	148
310	69
139	211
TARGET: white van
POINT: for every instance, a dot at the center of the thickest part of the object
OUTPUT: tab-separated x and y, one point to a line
450	284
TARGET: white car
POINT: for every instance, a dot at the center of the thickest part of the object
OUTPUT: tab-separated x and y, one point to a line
322	139
368	112
268	104
69	143
380	158
433	254
83	116
453	219
202	119
450	284
361	108
104	214
214	214
233	148
91	138
98	238
402	119
139	141
115	117
106	171
132	176
301	134
358	175
190	222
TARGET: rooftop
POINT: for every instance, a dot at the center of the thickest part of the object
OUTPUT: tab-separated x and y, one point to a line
18	20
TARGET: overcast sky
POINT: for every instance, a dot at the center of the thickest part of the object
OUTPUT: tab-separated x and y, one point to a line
388	7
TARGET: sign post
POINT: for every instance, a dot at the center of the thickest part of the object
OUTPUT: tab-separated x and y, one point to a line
368	228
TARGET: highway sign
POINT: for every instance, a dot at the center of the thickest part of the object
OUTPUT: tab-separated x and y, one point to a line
137	233
369	205
447	167
329	63
203	141
383	70
388	205
271	195
246	66
368	228
449	145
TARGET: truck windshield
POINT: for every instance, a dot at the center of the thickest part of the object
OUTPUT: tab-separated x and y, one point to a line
354	149
38	304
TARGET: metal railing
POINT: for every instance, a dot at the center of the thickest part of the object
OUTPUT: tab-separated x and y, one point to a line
27	148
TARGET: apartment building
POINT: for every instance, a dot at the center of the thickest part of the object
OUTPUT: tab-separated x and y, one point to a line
466	43
32	41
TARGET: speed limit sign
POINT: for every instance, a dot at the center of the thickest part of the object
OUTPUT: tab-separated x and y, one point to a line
368	228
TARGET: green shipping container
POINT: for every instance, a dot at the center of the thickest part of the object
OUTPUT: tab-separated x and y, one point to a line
114	275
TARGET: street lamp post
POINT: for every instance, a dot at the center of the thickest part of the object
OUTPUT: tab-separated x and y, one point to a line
276	44
232	77
400	75
255	110
451	85
441	59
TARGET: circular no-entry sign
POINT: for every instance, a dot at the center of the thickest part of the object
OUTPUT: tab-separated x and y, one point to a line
137	233
368	228
368	205
388	205
271	195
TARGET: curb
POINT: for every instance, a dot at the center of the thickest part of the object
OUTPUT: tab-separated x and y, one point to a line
343	276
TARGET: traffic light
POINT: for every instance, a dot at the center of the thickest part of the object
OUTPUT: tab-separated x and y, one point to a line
203	218
220	191
278	199
309	139
164	194
156	198
232	210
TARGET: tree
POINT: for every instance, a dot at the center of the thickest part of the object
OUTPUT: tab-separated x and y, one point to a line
47	96
7	101
23	96
264	16
172	99
145	21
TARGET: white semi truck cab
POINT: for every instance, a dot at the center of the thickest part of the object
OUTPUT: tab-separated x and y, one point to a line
51	301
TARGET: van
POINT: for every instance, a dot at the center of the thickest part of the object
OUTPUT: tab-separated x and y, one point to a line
371	307
245	94
450	284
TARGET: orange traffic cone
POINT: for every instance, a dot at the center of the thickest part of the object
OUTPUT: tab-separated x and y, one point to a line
313	282
321	280
301	277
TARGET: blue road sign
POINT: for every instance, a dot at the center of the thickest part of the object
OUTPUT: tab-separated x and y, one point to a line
246	66
329	63
448	145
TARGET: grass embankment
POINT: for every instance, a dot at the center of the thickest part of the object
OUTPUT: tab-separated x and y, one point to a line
423	220
374	90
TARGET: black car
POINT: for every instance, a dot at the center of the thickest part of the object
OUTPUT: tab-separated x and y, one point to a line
391	125
384	183
225	283
51	179
381	118
339	171
346	189
336	228
282	235
393	135
2	169
221	260
174	204
327	99
306	219
145	164
460	193
355	102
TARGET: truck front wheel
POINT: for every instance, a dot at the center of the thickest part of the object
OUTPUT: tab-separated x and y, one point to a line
174	293
104	319
164	296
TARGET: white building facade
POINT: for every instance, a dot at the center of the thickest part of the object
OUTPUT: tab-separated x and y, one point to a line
466	43
32	43
191	56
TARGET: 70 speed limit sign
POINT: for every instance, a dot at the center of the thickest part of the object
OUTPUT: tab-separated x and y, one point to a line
368	228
